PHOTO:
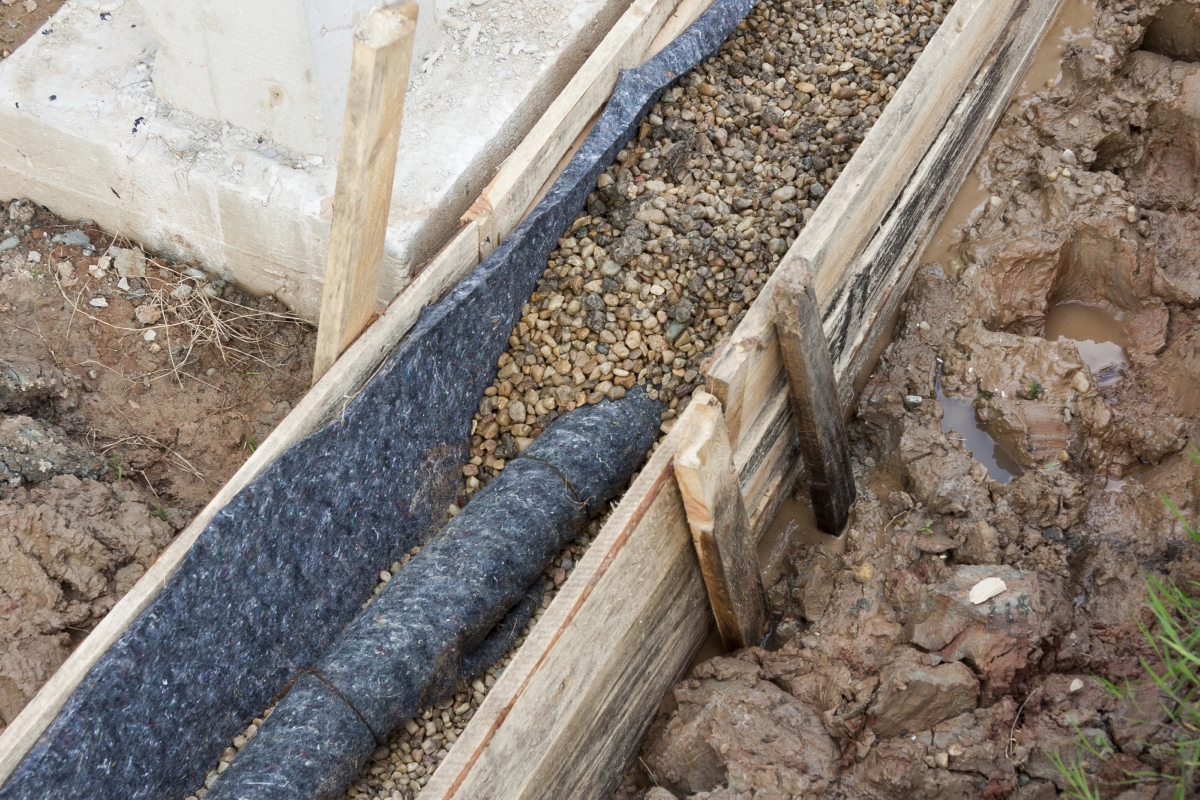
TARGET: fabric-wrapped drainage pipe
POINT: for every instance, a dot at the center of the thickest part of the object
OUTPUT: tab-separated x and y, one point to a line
436	620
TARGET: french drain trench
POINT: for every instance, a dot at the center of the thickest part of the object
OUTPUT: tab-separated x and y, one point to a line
675	243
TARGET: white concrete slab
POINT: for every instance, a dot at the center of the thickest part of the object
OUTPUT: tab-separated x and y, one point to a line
276	67
83	132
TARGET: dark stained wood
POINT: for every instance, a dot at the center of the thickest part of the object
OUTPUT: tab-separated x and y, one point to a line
812	391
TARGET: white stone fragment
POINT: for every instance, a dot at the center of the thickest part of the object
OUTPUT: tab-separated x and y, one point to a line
1076	685
98	302
986	589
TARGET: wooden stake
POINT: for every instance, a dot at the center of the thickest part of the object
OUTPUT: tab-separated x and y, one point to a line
812	390
720	528
366	168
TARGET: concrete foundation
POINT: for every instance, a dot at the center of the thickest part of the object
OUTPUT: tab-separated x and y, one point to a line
278	69
84	130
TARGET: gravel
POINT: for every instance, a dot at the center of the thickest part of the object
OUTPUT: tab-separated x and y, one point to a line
683	231
675	243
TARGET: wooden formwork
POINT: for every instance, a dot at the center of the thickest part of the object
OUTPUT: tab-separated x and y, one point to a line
571	709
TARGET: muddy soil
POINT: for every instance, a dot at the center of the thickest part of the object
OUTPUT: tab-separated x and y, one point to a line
20	19
131	390
887	682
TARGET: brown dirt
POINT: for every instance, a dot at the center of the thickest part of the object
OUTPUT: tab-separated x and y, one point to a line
890	683
20	19
111	442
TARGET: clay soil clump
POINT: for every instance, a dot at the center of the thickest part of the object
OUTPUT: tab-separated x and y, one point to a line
131	389
885	679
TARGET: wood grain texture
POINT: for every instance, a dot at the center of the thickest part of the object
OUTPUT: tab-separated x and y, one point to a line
687	12
813	393
856	205
573	703
323	402
383	45
716	515
879	278
523	173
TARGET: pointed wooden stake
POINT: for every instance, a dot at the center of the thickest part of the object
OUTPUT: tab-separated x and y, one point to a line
812	390
366	168
720	528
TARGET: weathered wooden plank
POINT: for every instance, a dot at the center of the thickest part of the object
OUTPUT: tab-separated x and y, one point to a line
879	278
869	186
716	515
812	390
687	12
506	198
619	632
383	45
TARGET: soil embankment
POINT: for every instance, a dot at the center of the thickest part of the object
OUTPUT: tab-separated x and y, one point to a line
131	389
1063	318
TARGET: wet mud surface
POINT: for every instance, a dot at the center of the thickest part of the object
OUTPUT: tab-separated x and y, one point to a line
131	390
1037	403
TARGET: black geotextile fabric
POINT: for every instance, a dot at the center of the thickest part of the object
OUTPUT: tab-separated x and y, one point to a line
286	565
407	648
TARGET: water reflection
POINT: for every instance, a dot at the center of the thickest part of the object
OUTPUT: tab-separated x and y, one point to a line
1098	333
958	415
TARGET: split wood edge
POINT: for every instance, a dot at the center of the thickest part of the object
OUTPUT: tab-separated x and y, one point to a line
366	168
328	397
716	515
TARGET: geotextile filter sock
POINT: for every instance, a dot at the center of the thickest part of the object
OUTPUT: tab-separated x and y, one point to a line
410	645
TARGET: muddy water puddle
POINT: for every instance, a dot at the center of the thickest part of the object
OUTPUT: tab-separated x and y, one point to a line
959	421
1098	333
963	209
1074	24
794	526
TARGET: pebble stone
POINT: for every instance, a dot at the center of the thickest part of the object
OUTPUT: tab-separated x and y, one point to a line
673	246
684	229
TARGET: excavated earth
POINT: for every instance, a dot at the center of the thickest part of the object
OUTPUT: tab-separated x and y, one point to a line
123	409
886	681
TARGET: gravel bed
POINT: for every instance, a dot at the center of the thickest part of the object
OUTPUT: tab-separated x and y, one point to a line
682	232
675	243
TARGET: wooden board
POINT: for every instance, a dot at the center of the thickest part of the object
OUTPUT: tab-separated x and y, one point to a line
878	279
563	720
383	45
881	272
813	396
716	515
